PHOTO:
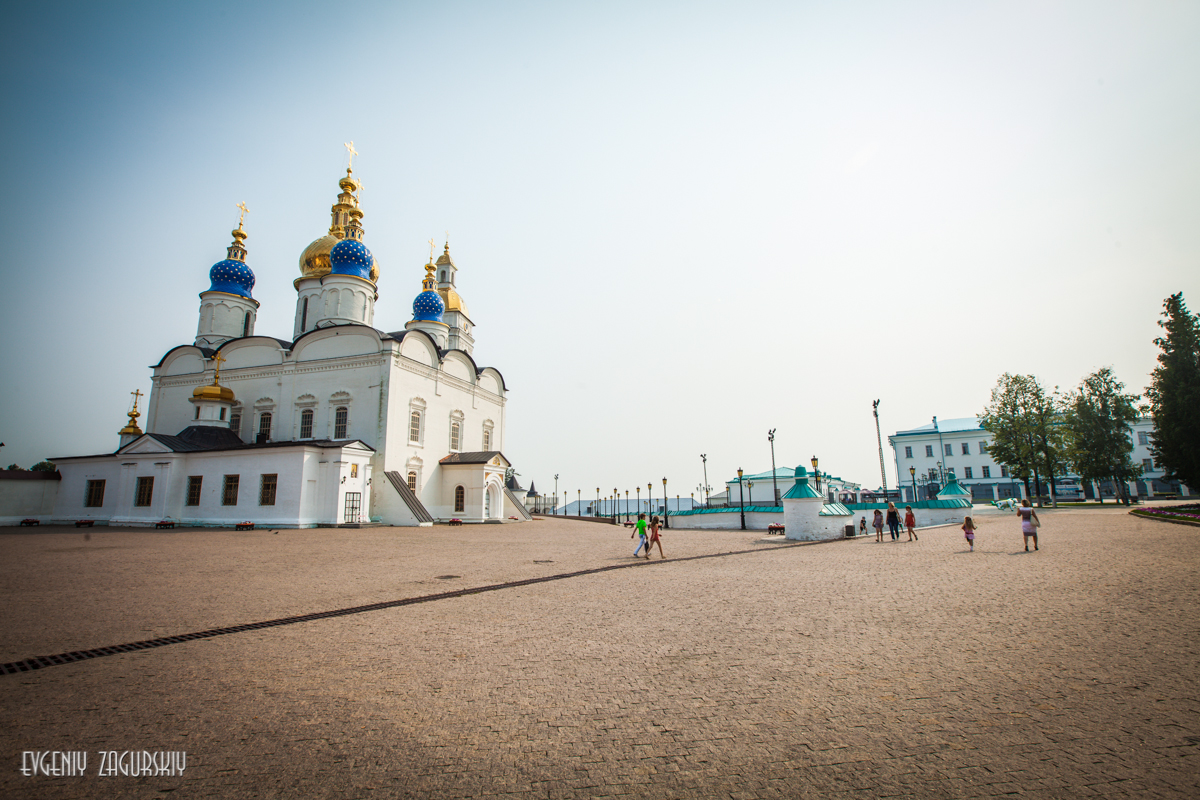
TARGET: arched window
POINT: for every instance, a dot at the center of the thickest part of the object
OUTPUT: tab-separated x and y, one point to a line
414	427
443	278
304	315
264	426
235	421
455	436
306	420
246	325
340	416
412	479
487	438
460	499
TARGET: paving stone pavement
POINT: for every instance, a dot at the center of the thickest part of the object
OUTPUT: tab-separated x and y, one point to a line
843	669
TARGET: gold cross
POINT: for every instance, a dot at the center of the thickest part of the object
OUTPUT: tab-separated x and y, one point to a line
217	357
244	210
136	394
350	146
432	246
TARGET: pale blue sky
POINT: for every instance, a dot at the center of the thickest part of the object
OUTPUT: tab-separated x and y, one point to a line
677	224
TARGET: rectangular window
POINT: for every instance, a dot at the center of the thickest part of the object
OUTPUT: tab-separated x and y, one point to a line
967	473
1003	471
340	419
1147	464
966	448
95	494
982	448
487	439
266	492
929	451
1143	437
949	450
908	452
145	492
235	423
193	495
454	429
306	420
264	426
229	495
414	427
987	472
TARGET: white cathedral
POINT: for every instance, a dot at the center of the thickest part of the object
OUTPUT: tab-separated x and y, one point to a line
342	424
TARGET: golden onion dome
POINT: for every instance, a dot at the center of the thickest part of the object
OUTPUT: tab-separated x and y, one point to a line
314	261
213	392
374	269
454	301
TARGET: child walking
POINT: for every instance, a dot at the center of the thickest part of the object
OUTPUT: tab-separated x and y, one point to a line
877	524
910	522
640	530
655	537
969	531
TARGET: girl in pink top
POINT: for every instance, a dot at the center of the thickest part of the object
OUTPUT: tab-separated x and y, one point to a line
1029	524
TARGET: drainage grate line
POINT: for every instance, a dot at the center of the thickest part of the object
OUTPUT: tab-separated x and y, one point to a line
42	662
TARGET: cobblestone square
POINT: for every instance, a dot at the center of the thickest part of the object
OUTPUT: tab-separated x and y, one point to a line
735	668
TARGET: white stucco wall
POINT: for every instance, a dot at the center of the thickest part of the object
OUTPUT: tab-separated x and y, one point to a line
27	499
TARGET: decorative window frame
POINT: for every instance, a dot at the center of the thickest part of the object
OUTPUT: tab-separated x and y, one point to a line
414	464
305	402
265	405
416	405
460	418
489	434
337	400
460	499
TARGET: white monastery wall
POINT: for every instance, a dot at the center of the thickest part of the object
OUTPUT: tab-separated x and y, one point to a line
27	499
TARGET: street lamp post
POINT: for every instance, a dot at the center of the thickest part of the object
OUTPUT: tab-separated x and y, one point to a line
912	473
627	505
817	473
666	506
650	499
941	452
596	508
774	482
639	498
579	503
556	494
704	459
741	499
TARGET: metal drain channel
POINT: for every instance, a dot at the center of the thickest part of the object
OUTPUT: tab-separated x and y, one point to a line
41	662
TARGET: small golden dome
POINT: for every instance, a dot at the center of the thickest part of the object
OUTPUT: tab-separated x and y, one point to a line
314	261
374	269
454	301
213	392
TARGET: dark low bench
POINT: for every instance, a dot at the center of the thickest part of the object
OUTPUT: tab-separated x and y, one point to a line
775	528
244	526
164	524
455	522
84	523
31	521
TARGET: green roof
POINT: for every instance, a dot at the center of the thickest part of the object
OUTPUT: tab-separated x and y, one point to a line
835	510
801	491
953	490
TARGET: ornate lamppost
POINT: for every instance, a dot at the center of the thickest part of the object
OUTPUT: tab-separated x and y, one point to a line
774	483
912	473
650	499
639	498
816	473
627	505
596	508
704	459
579	503
666	506
741	498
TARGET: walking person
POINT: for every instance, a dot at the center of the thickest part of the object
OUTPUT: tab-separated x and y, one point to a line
877	523
640	531
862	525
655	537
969	531
910	522
1029	523
893	521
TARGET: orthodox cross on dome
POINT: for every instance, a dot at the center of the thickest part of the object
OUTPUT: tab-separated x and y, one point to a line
219	359
242	207
137	393
350	147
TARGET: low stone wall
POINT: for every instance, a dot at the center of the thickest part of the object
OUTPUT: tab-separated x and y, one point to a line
726	520
27	495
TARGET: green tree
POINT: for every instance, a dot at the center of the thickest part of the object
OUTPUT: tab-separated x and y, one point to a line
1046	413
16	468
1174	394
44	466
1098	417
1007	417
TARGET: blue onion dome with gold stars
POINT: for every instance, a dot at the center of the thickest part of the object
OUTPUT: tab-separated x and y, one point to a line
351	257
231	275
428	307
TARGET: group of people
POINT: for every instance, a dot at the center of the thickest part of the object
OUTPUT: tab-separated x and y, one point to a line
1029	524
893	523
648	536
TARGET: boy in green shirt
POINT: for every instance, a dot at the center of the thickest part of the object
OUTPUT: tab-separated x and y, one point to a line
640	530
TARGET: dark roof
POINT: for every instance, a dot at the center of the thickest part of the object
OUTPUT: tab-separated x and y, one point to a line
209	437
512	484
179	444
479	457
29	475
532	490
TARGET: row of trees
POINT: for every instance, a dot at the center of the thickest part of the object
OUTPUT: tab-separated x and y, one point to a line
1044	434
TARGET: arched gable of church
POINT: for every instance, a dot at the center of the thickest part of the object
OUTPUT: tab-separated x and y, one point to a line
337	341
491	380
458	364
253	351
419	347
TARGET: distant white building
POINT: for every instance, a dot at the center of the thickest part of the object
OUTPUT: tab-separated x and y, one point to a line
759	490
924	457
